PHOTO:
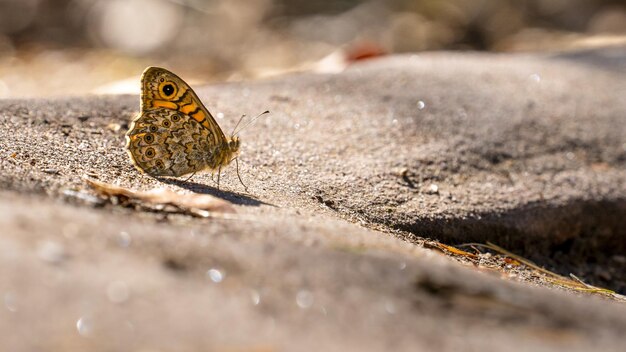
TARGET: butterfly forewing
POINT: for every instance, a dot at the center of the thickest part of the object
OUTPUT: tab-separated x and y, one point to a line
164	89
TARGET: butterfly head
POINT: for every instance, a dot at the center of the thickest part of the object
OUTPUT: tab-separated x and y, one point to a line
233	144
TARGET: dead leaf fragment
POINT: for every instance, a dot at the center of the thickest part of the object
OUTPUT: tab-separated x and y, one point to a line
445	248
195	204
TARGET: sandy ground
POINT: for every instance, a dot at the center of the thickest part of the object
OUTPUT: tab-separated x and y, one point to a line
347	177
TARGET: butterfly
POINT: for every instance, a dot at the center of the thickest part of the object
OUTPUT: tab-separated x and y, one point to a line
174	134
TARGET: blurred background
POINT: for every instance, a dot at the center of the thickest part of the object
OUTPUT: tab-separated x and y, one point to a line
66	47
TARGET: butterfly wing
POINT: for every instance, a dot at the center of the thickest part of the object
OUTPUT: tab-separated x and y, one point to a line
161	88
164	142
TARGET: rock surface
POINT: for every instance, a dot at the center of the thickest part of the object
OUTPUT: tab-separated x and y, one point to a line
526	151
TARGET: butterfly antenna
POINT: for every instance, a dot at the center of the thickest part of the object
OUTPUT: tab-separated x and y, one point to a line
251	121
237	125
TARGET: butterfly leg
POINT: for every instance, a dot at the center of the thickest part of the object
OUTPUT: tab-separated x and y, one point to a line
189	178
219	172
239	176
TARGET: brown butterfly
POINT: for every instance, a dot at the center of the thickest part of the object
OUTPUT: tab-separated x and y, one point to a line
174	134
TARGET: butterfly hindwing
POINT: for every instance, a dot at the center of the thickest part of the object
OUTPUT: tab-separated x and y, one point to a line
163	142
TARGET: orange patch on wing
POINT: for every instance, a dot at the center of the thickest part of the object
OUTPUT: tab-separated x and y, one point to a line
164	104
186	109
199	116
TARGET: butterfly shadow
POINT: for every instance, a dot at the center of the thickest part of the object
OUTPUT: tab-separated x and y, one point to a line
233	197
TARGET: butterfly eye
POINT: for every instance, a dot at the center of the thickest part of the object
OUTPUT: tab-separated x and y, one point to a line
153	129
166	124
175	118
150	153
148	138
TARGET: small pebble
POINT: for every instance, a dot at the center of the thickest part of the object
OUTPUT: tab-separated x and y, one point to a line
215	275
433	189
84	326
124	240
51	171
304	299
115	127
51	252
